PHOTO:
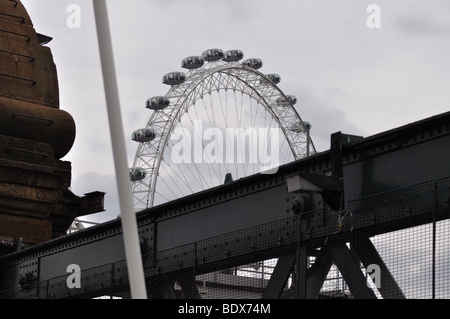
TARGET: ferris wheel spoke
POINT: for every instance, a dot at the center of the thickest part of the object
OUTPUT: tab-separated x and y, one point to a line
211	123
175	182
200	137
161	195
194	176
170	189
216	120
233	95
242	106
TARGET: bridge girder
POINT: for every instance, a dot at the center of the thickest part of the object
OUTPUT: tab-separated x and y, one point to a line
256	218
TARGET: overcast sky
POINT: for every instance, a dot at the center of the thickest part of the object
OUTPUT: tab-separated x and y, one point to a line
347	77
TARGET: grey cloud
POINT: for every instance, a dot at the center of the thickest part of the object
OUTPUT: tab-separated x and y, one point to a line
325	117
420	25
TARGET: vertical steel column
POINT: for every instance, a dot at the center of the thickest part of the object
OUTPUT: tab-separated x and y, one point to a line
128	217
301	265
301	268
112	282
337	167
433	220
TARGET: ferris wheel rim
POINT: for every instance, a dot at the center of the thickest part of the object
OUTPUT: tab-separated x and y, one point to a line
181	106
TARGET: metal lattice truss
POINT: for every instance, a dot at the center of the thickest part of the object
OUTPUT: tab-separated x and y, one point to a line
214	77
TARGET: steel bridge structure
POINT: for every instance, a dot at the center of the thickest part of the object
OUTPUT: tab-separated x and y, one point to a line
327	207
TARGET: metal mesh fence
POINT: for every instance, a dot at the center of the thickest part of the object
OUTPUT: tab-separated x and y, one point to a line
417	258
242	282
408	255
390	245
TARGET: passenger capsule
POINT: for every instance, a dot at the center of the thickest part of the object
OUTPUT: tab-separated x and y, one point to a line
212	55
307	125
157	103
192	62
298	127
289	98
137	174
275	78
253	63
143	135
174	78
233	55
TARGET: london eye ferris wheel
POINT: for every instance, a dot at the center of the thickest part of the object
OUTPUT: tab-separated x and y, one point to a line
223	117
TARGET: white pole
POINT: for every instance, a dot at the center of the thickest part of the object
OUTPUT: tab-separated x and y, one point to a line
128	217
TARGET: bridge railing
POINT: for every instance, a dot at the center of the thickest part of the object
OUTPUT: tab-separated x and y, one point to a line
409	228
